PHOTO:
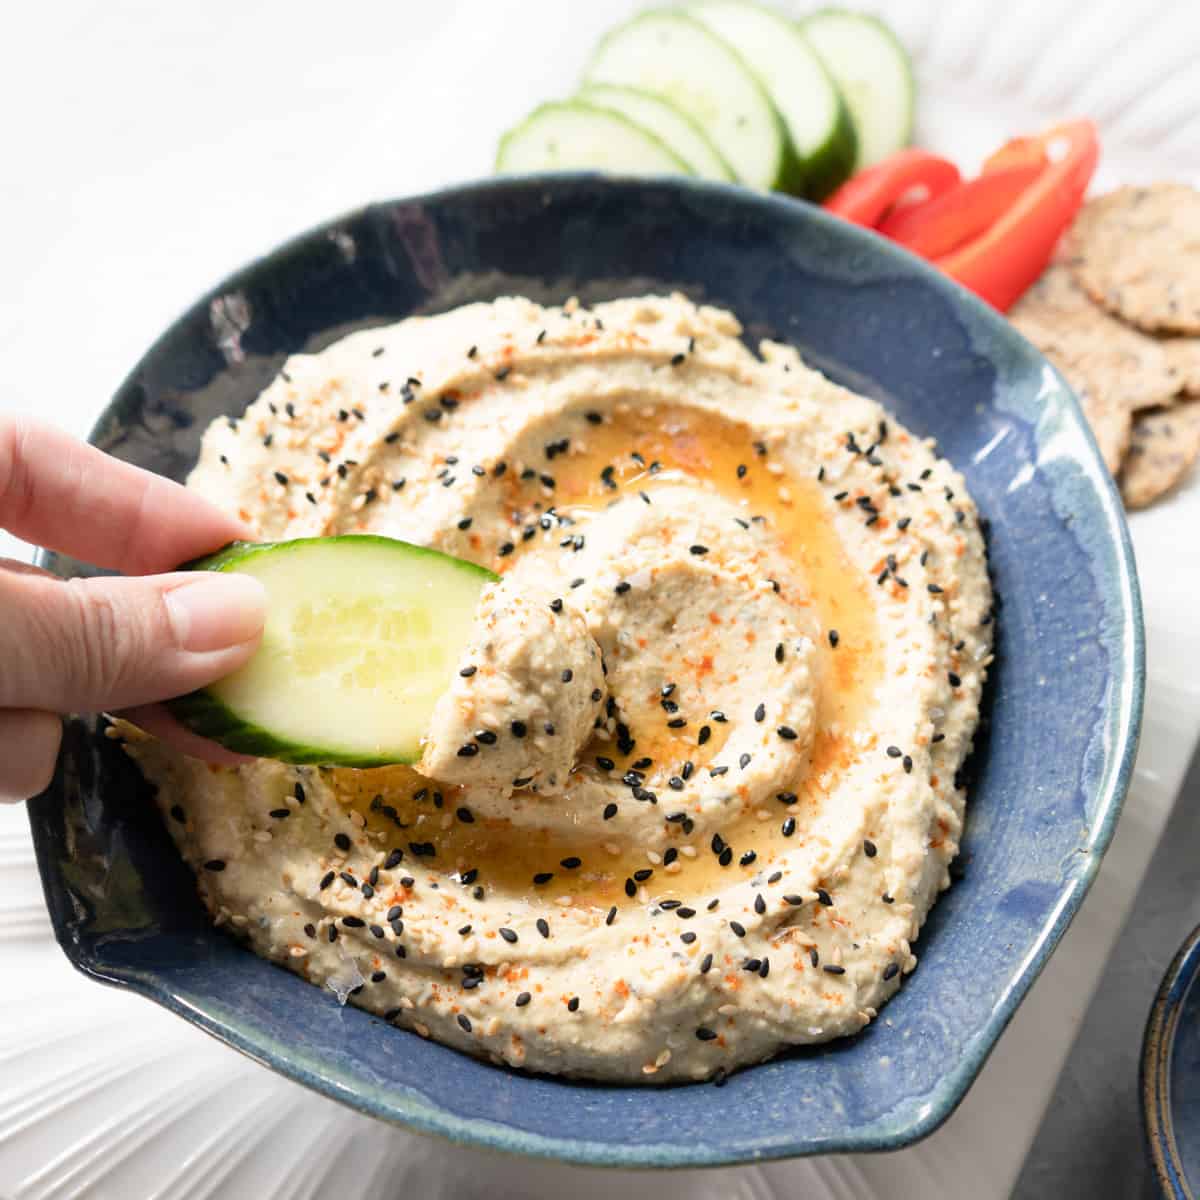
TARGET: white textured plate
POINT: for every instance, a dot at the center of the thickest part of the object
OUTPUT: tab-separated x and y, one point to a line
171	145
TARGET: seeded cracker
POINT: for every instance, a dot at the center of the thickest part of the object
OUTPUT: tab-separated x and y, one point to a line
1183	357
1136	251
1113	369
1163	448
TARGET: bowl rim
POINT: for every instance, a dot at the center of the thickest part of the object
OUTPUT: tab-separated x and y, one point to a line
1125	707
1154	1083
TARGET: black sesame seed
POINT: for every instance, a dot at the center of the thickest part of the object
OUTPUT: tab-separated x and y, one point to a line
348	879
894	752
485	736
697	549
760	713
468	671
671	854
468	751
752	964
726	856
823	897
573	1004
704	734
834	969
747	858
509	935
567	675
543	877
341	841
622	587
548	728
333	933
393	860
464	930
779	653
328	878
571	863
794	900
612	915
888	898
677	722
596	694
311	930
368	891
891	971
688	937
738	928
464	1023
934	589
280	813
630	888
522	999
869	848
465	815
787	733
281	479
705	1034
610	811
955	681
760	905
907	763
744	760
353	922
788	827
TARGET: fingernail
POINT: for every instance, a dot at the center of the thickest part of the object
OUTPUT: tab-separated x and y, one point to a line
216	611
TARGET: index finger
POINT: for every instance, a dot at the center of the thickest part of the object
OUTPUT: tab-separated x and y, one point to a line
70	497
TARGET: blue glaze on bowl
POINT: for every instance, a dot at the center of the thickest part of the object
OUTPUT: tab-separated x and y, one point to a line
1065	695
1170	1075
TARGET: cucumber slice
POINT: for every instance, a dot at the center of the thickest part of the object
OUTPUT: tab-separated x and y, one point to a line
569	135
665	122
680	60
875	75
362	637
820	131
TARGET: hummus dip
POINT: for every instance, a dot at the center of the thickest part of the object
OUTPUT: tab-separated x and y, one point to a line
694	786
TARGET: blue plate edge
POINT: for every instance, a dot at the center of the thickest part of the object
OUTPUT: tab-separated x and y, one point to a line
1154	1070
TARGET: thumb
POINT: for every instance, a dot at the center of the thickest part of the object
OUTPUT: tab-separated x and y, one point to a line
86	645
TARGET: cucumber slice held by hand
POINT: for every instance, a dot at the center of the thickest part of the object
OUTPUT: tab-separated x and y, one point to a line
875	76
820	132
571	135
675	57
361	639
665	122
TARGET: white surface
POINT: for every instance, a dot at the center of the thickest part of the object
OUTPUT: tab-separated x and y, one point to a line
148	149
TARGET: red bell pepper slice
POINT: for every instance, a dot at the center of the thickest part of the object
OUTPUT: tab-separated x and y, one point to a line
867	196
1017	152
1002	262
942	224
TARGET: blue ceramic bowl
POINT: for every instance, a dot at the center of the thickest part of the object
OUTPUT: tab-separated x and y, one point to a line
1170	1071
1065	696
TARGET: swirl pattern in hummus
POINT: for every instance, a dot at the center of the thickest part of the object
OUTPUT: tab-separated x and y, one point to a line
718	837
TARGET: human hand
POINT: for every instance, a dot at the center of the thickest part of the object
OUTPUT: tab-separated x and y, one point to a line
110	643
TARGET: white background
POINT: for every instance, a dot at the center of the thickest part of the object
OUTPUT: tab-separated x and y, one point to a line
147	149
